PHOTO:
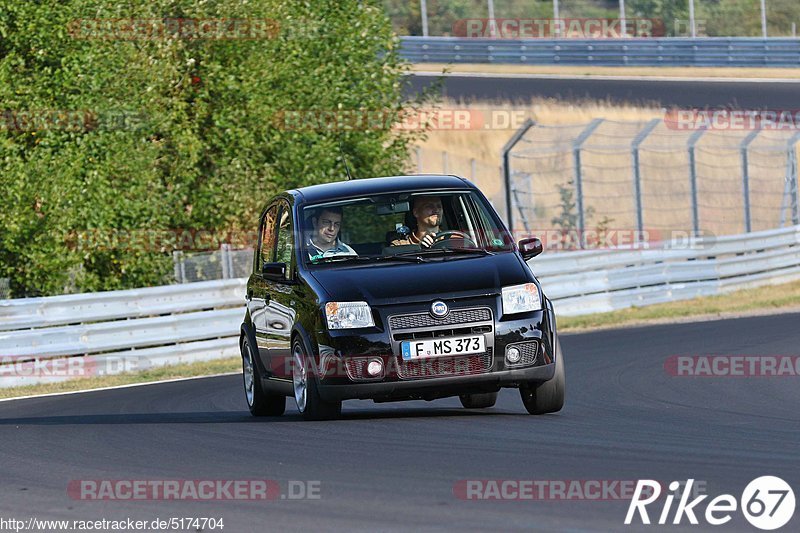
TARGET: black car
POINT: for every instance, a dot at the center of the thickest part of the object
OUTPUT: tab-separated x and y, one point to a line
395	288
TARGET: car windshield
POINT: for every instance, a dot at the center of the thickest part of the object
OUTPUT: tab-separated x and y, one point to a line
409	227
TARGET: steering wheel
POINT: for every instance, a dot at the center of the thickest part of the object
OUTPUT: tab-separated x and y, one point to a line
441	237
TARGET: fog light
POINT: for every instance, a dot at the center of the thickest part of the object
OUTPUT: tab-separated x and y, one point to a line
513	355
375	367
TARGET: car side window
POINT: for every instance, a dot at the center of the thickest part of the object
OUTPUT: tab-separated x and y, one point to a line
267	238
285	249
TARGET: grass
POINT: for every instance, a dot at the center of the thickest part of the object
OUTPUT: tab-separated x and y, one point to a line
777	297
187	370
645	72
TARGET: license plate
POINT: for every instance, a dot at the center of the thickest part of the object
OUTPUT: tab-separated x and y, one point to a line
443	347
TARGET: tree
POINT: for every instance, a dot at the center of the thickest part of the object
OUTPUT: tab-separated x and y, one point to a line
200	144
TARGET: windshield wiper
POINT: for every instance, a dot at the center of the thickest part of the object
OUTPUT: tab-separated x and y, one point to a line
436	251
480	251
367	258
411	258
332	258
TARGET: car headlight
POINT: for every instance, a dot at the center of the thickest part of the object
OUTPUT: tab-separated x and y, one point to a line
346	315
521	299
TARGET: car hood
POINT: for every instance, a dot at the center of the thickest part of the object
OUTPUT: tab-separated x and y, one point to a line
453	277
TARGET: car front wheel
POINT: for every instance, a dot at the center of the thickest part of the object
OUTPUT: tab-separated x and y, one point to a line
259	402
547	397
306	393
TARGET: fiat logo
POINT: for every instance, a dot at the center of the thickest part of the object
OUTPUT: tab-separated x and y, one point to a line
439	309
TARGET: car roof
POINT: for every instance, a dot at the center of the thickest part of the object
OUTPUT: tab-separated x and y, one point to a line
347	189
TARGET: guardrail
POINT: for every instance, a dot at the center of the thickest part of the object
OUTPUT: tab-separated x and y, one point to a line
111	332
56	338
598	281
703	52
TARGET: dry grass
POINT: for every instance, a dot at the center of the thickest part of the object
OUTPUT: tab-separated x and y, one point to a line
784	297
205	368
645	72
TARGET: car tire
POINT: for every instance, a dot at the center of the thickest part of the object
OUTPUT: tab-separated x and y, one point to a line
259	402
478	401
306	392
547	397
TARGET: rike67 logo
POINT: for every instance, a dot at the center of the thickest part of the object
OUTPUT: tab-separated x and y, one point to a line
767	503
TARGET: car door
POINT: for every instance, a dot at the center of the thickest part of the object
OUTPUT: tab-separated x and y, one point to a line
257	289
280	310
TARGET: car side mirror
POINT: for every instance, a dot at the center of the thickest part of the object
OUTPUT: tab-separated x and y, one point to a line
275	271
530	248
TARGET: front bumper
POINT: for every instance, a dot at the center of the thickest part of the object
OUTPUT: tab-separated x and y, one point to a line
381	343
433	388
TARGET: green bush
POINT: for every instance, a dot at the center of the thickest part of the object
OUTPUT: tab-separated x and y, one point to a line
176	132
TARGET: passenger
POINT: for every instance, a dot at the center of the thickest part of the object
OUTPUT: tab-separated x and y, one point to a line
427	211
324	239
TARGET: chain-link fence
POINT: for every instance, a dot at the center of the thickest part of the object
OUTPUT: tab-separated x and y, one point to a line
670	18
649	176
5	291
225	263
487	176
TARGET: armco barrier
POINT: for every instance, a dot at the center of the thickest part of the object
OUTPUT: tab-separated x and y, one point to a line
200	321
142	327
707	51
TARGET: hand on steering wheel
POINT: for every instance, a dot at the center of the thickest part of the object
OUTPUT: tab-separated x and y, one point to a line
444	235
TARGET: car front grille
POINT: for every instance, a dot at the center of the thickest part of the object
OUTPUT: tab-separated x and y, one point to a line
436	367
425	320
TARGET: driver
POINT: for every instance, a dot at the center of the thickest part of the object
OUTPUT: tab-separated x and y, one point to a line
427	211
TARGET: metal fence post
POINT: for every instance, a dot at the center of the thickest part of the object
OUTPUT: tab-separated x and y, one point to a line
793	178
179	266
472	169
444	163
576	158
419	160
224	259
693	140
789	199
423	8
746	177
512	142
637	177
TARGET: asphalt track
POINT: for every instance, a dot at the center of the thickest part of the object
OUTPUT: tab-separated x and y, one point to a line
394	466
660	92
